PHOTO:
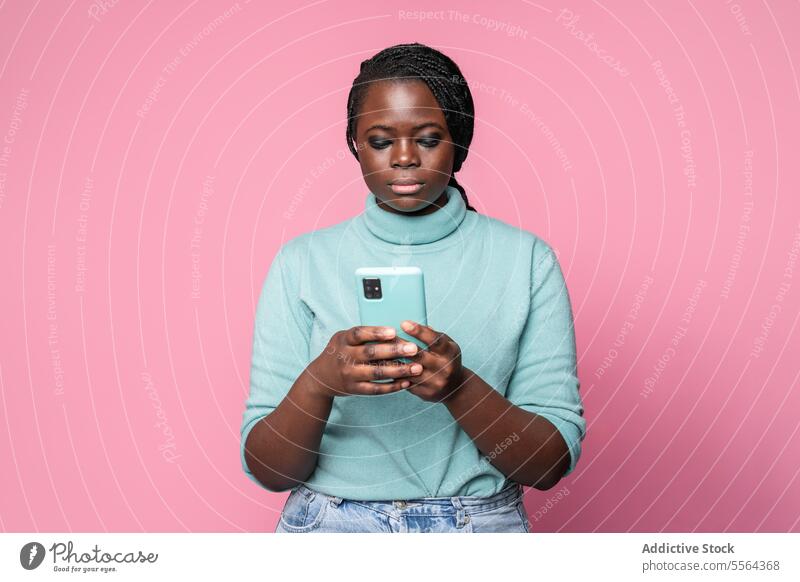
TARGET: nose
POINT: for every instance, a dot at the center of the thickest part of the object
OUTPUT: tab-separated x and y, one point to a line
404	154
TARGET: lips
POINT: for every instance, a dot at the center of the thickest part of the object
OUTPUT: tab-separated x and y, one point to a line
406	186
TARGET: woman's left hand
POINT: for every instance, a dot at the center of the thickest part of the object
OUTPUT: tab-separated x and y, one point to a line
442	373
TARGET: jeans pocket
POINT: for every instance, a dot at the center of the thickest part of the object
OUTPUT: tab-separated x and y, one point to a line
523	514
504	519
303	511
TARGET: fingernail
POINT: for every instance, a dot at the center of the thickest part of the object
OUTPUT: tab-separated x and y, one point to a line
405	384
407	325
416	369
410	348
388	331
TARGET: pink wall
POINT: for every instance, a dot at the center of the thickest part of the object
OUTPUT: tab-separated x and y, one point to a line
155	155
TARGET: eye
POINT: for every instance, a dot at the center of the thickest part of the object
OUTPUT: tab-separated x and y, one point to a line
428	142
380	144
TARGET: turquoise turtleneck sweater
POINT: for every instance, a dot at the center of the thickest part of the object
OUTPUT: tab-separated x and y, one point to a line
497	290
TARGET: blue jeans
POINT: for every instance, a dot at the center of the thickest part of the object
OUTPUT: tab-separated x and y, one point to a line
307	510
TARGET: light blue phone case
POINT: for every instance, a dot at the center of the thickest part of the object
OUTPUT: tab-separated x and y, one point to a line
403	297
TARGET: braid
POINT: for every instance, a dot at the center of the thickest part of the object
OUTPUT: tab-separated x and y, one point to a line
416	61
454	183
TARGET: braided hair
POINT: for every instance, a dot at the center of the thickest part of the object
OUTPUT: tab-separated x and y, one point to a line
416	61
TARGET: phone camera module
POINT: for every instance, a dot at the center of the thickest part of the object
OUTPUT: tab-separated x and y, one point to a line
372	288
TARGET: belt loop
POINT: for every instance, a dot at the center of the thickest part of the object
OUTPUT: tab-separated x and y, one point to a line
461	513
336	501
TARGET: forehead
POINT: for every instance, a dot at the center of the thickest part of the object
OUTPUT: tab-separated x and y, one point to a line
399	103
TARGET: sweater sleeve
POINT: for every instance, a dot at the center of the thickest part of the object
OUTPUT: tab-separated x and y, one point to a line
281	337
545	380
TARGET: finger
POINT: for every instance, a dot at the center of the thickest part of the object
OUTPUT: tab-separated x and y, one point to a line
385	350
377	388
422	332
427	358
359	334
385	369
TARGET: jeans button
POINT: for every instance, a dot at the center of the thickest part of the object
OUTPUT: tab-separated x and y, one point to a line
400	504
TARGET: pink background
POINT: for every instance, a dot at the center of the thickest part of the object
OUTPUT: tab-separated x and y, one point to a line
137	232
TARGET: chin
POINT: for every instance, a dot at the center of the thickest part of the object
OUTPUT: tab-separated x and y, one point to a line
407	203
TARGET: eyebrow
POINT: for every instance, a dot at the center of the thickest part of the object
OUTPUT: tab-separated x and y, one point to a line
415	128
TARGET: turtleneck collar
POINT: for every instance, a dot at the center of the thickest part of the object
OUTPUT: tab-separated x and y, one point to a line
403	229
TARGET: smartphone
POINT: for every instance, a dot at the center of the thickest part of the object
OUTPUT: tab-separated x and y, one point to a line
388	296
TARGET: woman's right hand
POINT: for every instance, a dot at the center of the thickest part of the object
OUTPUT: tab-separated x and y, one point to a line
349	365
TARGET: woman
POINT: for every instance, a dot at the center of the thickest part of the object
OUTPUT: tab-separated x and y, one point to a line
490	406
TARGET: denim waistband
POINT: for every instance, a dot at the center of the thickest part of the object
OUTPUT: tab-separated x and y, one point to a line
510	492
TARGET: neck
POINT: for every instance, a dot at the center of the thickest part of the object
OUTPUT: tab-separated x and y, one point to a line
411	228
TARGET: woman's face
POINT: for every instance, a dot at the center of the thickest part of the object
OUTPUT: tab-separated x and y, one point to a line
405	149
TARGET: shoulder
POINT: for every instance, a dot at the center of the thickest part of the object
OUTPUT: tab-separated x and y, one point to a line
295	248
508	234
